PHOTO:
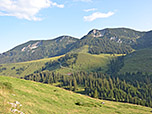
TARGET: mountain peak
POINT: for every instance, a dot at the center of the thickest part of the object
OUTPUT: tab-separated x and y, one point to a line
97	33
65	38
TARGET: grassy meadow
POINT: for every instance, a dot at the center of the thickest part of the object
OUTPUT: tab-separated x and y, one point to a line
139	60
38	98
85	62
24	68
89	63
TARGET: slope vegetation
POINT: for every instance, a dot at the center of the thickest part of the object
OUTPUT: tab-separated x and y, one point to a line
38	49
24	68
109	41
76	62
138	61
37	98
92	63
82	62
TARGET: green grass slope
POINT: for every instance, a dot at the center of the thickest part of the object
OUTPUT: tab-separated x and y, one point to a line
24	68
83	49
84	62
38	98
140	60
88	62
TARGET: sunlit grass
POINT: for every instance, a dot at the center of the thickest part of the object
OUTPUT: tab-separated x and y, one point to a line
29	67
140	60
38	98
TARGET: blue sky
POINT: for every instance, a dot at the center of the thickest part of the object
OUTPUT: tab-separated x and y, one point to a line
24	20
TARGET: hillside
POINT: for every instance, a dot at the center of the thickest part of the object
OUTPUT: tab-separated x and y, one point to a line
89	62
107	41
39	49
123	35
83	62
110	64
145	41
24	68
116	40
37	98
138	61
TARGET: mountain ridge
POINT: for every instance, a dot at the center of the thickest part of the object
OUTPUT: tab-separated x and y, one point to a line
108	40
37	49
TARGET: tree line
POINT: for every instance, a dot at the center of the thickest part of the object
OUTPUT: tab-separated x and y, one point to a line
133	88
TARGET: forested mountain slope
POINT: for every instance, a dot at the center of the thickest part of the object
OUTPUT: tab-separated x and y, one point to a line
39	49
109	41
112	64
138	61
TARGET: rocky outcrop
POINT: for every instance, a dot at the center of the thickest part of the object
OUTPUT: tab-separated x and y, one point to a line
31	46
96	33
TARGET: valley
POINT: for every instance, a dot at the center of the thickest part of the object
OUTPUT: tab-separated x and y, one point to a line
73	75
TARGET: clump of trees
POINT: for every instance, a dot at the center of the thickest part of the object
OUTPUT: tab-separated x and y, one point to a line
104	45
66	61
2	69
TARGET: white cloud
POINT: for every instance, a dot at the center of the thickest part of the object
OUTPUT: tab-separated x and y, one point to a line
83	0
25	9
92	9
58	5
97	15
